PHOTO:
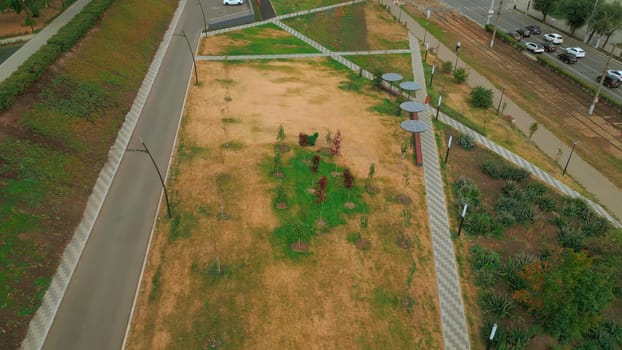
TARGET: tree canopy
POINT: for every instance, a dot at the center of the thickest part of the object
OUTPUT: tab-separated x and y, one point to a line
576	12
545	6
566	293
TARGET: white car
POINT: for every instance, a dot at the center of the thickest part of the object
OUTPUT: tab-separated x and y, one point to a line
232	2
577	51
617	73
554	38
535	48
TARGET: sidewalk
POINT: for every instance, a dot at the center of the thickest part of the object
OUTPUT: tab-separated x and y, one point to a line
594	182
12	63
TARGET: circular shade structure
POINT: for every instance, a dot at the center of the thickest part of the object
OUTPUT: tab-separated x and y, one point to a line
414	126
392	77
412	107
410	86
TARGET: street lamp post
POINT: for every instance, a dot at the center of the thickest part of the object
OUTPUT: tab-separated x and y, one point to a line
448	148
501	99
492	336
494	30
432	74
490	12
168	204
438	110
458	47
574	144
204	20
194	62
600	83
464	210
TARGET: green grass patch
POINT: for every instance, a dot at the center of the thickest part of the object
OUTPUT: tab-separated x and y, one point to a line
300	220
395	63
341	29
268	39
283	7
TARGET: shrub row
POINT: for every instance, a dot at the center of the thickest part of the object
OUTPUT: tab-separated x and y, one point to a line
502	170
35	66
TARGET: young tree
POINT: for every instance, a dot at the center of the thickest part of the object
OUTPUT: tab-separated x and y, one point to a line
481	97
532	130
277	163
348	180
370	175
405	177
328	138
545	6
336	148
280	136
461	75
302	139
320	193
315	165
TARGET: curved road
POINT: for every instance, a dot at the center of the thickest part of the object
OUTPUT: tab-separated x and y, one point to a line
96	307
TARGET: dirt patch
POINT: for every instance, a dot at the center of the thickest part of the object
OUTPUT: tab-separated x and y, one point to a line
276	304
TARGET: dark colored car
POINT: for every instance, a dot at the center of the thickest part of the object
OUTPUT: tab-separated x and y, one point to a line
534	29
567	57
524	32
549	47
610	81
515	36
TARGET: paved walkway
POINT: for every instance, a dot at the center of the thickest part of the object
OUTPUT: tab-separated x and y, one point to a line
592	180
33	45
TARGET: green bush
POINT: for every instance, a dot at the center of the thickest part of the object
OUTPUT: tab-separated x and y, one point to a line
513	266
482	258
446	67
480	222
466	141
498	305
461	75
467	192
500	169
571	237
481	97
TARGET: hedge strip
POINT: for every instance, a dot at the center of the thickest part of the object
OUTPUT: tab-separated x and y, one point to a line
36	65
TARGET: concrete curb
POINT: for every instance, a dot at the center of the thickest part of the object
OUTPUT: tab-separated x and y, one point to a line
44	317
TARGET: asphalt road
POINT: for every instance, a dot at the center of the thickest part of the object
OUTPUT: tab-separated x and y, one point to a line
510	20
96	307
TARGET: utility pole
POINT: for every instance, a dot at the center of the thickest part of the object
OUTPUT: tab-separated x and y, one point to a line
494	30
600	84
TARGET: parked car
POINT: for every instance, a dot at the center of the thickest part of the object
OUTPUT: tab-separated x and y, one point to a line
554	38
577	51
232	2
534	29
515	36
610	81
567	57
535	48
548	47
524	32
617	73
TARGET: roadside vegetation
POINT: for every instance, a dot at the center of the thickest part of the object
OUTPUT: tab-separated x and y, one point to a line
544	267
54	140
283	7
567	124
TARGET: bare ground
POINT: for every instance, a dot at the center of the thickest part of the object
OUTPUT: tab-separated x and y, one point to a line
327	299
